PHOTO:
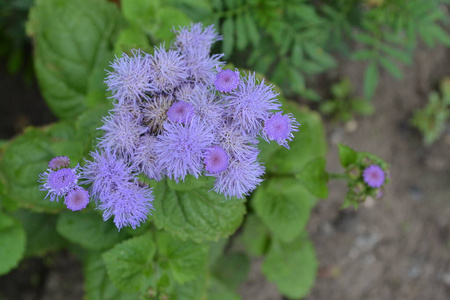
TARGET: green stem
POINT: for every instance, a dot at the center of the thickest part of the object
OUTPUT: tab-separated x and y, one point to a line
342	176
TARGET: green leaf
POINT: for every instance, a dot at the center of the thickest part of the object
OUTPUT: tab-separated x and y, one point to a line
315	178
186	259
400	55
131	38
169	18
141	13
292	267
347	155
390	66
197	214
284	205
73	46
219	291
255	236
12	241
40	231
241	33
88	230
370	80
129	264
307	144
231	269
97	285
228	36
252	29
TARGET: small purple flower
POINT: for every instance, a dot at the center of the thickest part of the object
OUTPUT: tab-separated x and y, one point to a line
130	80
240	178
155	112
280	128
77	199
145	158
180	148
129	203
206	107
59	162
216	160
226	81
58	183
374	176
105	173
122	132
202	69
180	112
168	70
251	103
197	37
234	140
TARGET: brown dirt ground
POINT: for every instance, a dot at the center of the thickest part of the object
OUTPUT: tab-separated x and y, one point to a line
399	247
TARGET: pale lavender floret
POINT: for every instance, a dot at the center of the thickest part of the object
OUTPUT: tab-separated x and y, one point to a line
145	158
207	107
58	162
184	91
202	68
226	81
58	183
216	160
374	176
240	178
252	103
122	132
129	203
180	149
180	112
130	79
236	142
280	128
196	36
105	172
77	199
155	112
168	70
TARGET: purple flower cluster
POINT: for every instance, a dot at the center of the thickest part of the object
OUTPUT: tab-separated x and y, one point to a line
61	181
178	112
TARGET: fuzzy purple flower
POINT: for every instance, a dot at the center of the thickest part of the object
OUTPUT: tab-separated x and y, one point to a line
280	128
105	173
206	107
122	132
145	158
240	178
196	37
234	140
180	112
252	104
155	112
180	148
58	183
226	81
59	162
374	176
129	203
168	70
216	160
130	80
77	199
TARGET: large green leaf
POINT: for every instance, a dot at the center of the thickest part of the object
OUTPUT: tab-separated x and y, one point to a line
193	212
40	231
129	264
73	44
97	285
315	178
255	236
12	243
284	205
231	269
88	230
186	259
292	267
308	143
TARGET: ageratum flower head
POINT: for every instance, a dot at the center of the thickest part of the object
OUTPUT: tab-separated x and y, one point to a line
58	162
176	112
58	183
77	199
374	176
